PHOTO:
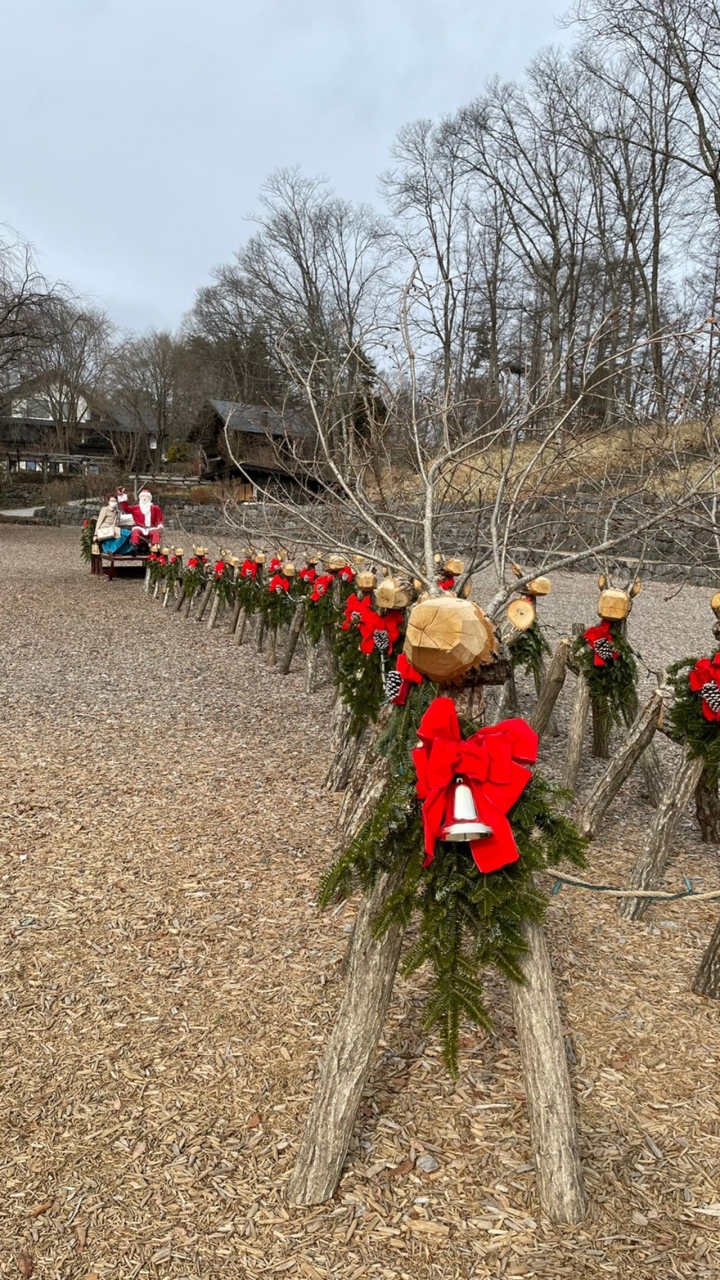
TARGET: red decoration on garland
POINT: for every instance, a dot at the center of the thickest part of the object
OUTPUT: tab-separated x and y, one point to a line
219	568
447	584
321	586
308	574
347	574
705	680
278	583
400	681
602	643
275	565
248	569
489	762
355	610
192	562
374	628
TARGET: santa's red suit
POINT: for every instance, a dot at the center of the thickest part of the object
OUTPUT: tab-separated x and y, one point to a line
147	520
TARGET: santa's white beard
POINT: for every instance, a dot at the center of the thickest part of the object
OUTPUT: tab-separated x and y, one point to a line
146	509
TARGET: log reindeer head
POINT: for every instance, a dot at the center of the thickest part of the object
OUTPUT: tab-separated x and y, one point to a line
522	612
614	603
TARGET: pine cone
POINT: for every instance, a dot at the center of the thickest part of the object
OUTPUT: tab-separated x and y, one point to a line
604	649
381	640
393	685
710	693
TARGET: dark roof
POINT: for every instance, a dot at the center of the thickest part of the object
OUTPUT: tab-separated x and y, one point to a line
256	419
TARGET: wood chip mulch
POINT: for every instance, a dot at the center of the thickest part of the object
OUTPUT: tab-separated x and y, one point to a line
167	986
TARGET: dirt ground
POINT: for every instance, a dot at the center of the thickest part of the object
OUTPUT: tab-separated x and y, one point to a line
167	985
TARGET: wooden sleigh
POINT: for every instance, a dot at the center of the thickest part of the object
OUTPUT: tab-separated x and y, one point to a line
107	562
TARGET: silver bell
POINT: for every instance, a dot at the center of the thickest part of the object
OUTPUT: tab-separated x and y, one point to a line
464	824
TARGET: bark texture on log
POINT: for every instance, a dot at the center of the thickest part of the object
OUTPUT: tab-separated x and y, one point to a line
650	865
539	678
240	629
214	613
204	602
508	704
345	748
620	767
261	629
180	600
350	1052
296	627
707	978
272	647
601	726
554	681
311	667
649	760
707	809
237	610
550	1103
576	734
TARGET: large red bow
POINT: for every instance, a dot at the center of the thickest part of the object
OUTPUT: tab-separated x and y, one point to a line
489	762
705	680
602	643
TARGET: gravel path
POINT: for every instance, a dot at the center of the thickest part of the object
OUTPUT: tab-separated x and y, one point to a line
166	984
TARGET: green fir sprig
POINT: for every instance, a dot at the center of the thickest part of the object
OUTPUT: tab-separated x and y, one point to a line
528	651
614	685
689	725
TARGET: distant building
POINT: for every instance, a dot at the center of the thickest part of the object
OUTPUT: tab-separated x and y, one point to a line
257	445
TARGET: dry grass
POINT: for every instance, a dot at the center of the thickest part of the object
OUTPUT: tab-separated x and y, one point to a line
167	985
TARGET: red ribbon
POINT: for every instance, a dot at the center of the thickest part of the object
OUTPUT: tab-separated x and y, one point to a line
248	569
489	762
601	632
705	671
371	622
278	583
409	677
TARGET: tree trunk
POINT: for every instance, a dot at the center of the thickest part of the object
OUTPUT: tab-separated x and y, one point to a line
553	683
180	600
296	627
547	1085
262	628
649	760
508	704
189	605
601	725
576	734
272	647
650	866
345	748
350	1052
707	978
620	767
707	809
311	667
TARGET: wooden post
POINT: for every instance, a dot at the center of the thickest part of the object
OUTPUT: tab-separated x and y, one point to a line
272	646
707	809
296	627
212	620
146	584
350	1052
547	1085
650	865
601	726
180	599
345	748
649	760
539	678
204	601
553	683
311	667
261	629
240	629
620	767
508	704
576	734
707	978
237	610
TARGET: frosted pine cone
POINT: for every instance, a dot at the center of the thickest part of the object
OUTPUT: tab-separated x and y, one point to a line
393	684
710	693
381	640
604	649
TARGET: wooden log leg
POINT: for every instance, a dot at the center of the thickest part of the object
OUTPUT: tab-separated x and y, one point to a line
539	678
296	627
601	726
345	748
240	629
272	646
547	1086
166	597
649	760
180	599
620	767
237	610
707	978
311	667
576	735
203	603
188	606
350	1052
262	628
707	808
650	866
156	589
508	704
550	691
146	583
215	610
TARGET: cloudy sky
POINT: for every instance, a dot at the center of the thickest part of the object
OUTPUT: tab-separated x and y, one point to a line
142	130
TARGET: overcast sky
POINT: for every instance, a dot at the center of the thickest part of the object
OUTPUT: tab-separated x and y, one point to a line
137	133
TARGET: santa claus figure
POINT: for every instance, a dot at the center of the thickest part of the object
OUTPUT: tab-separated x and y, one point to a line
147	519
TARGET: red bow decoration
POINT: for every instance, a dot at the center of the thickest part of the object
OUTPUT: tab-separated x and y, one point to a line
219	568
278	583
347	574
373	623
192	563
275	565
355	610
489	762
248	569
447	584
308	574
602	643
705	680
321	585
408	676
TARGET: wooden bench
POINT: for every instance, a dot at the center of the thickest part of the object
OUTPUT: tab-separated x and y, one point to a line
105	562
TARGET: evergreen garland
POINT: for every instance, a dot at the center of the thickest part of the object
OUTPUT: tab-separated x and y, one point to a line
249	592
615	684
173	571
277	607
193	576
689	725
223	584
87	537
321	616
360	678
467	920
157	564
528	651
